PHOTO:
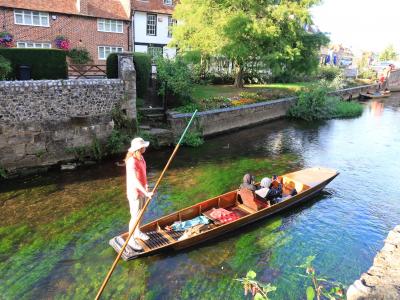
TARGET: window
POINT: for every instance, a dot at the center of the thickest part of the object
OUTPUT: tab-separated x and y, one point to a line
104	51
32	18
33	45
154	52
168	2
110	26
171	22
151	24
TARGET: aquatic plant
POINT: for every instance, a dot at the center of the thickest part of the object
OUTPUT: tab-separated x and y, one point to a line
259	290
320	287
3	172
193	139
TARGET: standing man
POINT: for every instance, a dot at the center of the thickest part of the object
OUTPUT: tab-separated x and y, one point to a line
136	187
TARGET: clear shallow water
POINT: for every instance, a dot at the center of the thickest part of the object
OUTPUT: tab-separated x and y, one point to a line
55	228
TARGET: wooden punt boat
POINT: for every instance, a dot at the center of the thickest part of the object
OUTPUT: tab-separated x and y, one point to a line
375	95
308	183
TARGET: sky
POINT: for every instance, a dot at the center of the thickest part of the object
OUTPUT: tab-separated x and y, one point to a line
369	25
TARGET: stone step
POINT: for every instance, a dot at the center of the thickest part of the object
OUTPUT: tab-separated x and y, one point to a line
151	110
164	137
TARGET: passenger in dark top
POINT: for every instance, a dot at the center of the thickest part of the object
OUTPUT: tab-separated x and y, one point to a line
248	182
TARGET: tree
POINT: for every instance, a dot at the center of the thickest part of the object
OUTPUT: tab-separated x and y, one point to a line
244	30
389	53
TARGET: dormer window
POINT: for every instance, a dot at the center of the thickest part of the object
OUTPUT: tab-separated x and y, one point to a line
168	2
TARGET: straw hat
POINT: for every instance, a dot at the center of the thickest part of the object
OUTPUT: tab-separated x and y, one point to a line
138	143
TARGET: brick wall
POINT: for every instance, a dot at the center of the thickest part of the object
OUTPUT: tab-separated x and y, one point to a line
80	30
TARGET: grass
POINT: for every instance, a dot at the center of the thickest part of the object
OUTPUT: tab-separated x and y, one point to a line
348	109
209	91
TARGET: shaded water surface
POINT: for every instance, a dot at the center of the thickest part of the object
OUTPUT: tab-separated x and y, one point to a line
55	228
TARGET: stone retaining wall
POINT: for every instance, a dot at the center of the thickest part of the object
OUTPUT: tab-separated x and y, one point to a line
42	121
217	121
221	120
44	100
382	280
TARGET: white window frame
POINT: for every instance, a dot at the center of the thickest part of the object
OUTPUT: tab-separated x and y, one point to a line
111	49
148	25
33	45
105	25
25	15
168	2
171	22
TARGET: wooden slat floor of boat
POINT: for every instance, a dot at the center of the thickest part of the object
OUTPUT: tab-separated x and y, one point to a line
156	240
175	234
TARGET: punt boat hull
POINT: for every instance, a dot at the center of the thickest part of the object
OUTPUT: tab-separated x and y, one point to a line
161	240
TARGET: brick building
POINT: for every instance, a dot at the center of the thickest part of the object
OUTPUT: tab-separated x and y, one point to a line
101	26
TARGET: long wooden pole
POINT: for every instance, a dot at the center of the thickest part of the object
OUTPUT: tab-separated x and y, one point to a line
142	211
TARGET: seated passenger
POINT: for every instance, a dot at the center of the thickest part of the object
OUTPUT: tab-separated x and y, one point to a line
264	187
275	190
248	182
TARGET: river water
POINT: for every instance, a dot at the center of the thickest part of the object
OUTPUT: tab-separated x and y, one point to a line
55	227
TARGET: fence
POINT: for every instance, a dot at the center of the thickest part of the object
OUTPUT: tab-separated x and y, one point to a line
87	71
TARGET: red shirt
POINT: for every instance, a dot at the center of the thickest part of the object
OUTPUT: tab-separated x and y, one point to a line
136	167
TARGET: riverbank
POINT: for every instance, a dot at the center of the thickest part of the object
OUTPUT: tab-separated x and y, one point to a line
382	280
26	149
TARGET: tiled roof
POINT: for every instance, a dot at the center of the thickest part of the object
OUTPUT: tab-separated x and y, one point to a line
113	9
63	6
157	6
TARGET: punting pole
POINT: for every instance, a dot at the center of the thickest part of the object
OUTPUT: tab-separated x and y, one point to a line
103	285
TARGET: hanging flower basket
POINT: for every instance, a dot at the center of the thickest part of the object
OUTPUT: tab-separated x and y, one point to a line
62	42
6	40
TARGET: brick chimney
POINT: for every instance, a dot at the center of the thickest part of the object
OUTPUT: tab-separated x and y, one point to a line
82	6
126	4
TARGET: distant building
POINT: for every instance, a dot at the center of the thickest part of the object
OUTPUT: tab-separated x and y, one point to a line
101	26
336	55
152	22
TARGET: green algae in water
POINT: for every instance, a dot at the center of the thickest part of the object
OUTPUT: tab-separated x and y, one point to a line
40	250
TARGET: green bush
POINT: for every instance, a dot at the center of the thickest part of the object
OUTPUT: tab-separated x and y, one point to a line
328	72
79	56
143	70
112	65
193	139
316	104
368	74
174	80
44	63
5	67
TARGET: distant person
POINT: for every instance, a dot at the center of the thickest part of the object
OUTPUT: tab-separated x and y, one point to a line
248	182
136	187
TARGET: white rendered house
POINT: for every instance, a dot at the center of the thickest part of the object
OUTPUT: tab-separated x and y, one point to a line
152	22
